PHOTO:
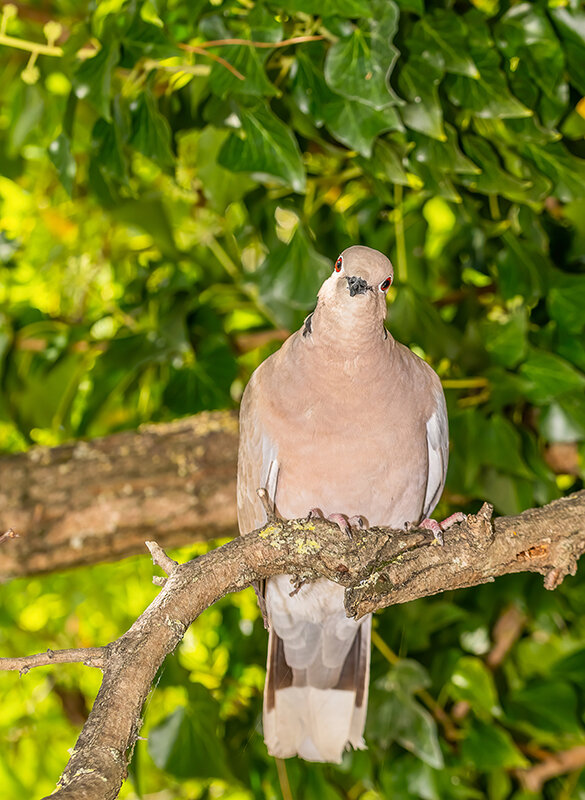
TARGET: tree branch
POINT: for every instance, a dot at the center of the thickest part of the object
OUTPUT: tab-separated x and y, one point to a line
86	502
90	656
379	568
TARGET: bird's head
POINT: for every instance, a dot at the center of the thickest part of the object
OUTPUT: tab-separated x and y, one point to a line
358	284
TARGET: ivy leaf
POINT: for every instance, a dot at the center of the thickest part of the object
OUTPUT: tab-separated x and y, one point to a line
359	66
395	715
62	158
290	277
351	9
444	154
357	125
566	301
505	339
448	34
418	83
488	94
525	35
473	683
566	172
548	376
265	146
248	62
151	133
547	706
570	24
489	747
93	78
492	179
186	743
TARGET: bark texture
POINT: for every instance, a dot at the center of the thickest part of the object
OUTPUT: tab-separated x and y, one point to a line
379	567
98	501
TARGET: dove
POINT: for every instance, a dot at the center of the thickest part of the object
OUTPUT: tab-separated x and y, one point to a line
346	422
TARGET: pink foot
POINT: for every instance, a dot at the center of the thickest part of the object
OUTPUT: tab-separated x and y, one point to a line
340	520
438	527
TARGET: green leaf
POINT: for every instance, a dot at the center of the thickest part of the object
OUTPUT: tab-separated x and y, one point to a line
290	277
359	66
186	743
448	34
525	34
353	9
249	63
92	80
545	705
522	269
151	133
548	376
387	165
397	716
473	683
62	158
566	301
418	82
445	154
505	338
566	172
357	125
264	146
489	747
198	156
487	95
309	89
150	215
492	179
570	25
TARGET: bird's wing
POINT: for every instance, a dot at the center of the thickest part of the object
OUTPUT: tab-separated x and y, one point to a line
438	454
257	460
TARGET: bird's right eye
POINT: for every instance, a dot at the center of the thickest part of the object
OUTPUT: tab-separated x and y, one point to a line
339	264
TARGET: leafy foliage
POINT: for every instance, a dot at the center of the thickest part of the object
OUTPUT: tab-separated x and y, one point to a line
166	198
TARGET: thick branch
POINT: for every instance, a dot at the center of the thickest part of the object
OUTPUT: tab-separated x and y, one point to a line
98	501
379	568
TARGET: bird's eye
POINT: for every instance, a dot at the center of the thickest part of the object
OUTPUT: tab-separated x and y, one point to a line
386	283
339	264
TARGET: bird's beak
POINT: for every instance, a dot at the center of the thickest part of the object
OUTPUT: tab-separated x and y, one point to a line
357	285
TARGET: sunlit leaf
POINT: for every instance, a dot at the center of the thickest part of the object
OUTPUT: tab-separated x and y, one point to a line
359	65
264	146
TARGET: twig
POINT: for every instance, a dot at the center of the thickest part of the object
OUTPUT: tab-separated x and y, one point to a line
160	558
214	57
247	42
9	534
556	764
507	630
90	656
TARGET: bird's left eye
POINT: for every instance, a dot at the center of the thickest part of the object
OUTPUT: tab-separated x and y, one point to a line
339	264
386	283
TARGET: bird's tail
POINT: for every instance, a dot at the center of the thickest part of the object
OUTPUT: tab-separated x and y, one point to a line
317	714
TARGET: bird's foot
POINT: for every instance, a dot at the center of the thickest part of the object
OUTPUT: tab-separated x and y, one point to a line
438	527
344	523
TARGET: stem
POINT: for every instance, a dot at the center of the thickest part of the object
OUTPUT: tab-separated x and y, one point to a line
248	43
402	261
31	47
283	779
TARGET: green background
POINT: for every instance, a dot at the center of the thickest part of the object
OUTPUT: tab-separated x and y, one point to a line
161	211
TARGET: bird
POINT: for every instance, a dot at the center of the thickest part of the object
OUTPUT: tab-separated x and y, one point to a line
346	422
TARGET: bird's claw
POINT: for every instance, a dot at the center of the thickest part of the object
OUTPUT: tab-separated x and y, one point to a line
344	524
437	528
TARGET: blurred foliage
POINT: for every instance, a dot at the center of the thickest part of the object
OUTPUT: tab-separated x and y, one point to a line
164	203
